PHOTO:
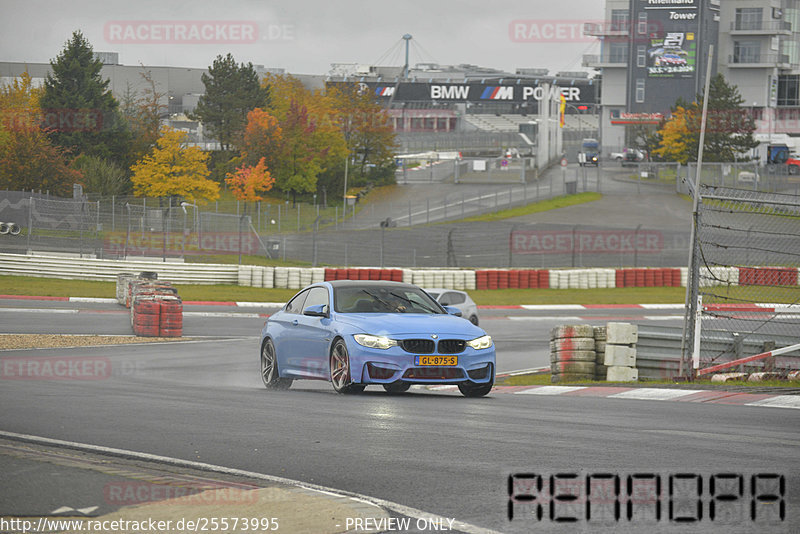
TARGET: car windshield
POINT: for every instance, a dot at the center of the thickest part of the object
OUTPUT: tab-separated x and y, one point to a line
383	299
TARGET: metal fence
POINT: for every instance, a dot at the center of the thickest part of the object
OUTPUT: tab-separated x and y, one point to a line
744	272
127	227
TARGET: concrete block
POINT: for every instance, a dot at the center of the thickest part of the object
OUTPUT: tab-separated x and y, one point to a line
621	374
620	355
622	333
728	377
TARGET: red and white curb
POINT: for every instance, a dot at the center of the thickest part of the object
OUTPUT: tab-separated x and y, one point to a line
653	394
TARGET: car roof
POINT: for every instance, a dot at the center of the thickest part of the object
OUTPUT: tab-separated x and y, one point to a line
441	289
367	283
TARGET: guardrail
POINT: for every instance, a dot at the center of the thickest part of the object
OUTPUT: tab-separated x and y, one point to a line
658	350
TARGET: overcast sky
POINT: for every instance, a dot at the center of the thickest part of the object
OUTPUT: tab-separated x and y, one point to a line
306	36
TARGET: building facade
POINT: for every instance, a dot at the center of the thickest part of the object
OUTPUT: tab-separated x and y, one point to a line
655	51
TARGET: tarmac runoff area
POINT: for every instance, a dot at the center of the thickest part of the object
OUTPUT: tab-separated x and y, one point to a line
112	490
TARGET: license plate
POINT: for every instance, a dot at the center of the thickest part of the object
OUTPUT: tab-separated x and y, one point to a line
437	360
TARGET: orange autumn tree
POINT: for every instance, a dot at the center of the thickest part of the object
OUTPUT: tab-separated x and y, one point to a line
28	159
248	182
173	169
311	142
675	136
263	139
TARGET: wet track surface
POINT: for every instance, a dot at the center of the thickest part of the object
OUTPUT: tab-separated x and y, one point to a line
432	450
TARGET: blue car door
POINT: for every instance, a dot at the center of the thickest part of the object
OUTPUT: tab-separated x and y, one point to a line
285	334
314	336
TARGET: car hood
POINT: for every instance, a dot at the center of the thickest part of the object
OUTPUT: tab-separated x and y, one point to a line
398	324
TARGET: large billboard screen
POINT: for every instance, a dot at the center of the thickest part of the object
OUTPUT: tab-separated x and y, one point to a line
674	53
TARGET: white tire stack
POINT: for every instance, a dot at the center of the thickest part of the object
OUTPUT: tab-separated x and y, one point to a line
257	279
268	280
305	277
317	275
470	282
572	355
245	275
281	277
293	278
620	358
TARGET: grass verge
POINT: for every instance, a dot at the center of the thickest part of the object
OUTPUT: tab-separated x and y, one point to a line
622	295
536	207
53	287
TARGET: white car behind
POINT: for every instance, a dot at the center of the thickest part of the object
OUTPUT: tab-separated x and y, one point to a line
456	299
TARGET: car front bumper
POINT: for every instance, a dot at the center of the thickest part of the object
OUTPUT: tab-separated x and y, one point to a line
378	366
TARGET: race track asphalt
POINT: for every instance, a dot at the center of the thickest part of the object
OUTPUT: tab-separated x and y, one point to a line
431	450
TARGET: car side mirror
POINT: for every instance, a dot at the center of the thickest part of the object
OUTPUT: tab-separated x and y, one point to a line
453	311
318	310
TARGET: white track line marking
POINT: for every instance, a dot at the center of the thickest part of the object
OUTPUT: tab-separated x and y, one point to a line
524	371
655	394
37	310
92	299
222	314
553	307
357	497
783	401
524	318
662	306
549	390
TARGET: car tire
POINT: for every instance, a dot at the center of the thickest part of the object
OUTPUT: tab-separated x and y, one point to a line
474	320
340	376
397	387
794	169
270	375
468	389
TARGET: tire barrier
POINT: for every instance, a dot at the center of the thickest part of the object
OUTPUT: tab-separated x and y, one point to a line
461	279
601	371
767	276
668	277
395	275
572	355
512	279
10	228
156	309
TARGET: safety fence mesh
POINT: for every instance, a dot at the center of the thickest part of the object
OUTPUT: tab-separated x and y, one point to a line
745	264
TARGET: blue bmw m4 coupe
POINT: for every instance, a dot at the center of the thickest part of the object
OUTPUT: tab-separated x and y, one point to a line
357	333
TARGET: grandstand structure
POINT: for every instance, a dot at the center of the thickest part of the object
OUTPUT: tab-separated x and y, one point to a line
479	108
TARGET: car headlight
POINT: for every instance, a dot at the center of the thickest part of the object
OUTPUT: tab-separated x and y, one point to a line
483	342
374	342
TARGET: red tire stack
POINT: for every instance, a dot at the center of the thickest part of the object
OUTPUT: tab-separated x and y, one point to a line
171	319
145	315
156	309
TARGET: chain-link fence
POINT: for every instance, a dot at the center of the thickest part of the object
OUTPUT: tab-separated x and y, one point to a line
745	295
